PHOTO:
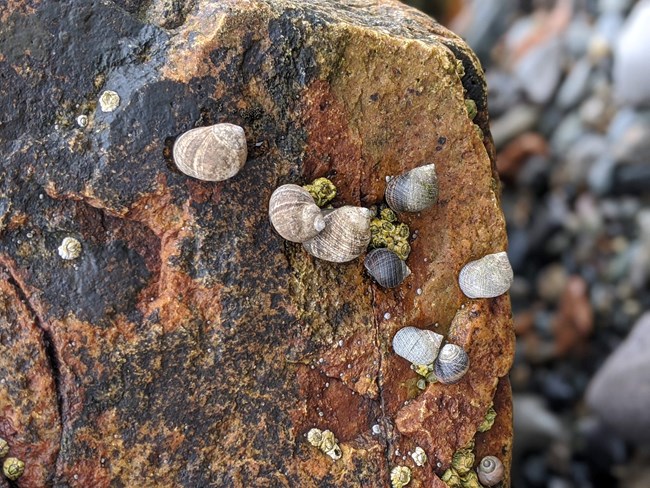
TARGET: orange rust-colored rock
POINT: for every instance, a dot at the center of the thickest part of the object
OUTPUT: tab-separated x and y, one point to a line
189	345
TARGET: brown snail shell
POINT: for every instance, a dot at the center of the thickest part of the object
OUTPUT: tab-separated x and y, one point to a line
413	191
294	215
417	346
386	267
345	237
487	277
452	364
213	153
490	471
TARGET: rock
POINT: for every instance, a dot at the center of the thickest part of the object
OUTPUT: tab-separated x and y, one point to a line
539	70
517	120
575	86
515	154
632	58
574	319
619	393
188	344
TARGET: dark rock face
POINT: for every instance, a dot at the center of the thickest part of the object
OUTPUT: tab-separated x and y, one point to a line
189	345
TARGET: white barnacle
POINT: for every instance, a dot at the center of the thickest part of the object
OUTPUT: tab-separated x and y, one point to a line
70	248
419	456
109	101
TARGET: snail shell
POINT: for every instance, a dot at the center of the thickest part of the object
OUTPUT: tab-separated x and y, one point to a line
452	364
414	190
345	237
417	346
490	471
386	267
213	153
487	277
294	214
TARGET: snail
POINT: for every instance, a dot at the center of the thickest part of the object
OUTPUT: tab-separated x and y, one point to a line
490	471
13	468
419	456
413	191
400	476
417	346
213	153
4	448
345	237
294	215
386	267
69	249
452	364
487	277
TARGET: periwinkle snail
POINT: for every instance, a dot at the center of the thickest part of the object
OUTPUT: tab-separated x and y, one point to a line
413	191
490	471
417	346
386	267
212	153
345	237
294	214
452	364
487	277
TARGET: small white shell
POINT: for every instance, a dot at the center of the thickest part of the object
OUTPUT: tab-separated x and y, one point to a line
345	237
487	277
386	267
413	191
419	456
294	215
452	364
213	153
70	248
417	346
490	471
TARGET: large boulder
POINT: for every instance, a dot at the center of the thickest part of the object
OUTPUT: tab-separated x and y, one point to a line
188	344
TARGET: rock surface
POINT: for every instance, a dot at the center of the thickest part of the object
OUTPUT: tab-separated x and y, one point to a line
188	344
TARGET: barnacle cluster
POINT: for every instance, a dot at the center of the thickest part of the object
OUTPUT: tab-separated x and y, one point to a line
419	456
461	474
325	441
322	190
400	476
488	421
13	468
427	374
389	233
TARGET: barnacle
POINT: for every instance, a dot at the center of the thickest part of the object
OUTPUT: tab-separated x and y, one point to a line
322	190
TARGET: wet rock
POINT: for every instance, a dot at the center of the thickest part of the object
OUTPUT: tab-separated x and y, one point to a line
188	344
539	70
624	376
575	86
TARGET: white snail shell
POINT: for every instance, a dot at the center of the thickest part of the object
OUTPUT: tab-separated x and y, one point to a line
386	267
487	277
213	153
417	346
345	237
452	364
413	191
490	471
294	215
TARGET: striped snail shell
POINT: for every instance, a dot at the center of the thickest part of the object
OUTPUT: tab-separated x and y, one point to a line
294	214
452	364
417	346
213	153
345	237
413	191
490	471
386	267
487	277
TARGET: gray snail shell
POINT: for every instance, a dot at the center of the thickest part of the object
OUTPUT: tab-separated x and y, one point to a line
294	215
413	191
452	364
213	153
417	346
490	471
386	267
345	237
487	277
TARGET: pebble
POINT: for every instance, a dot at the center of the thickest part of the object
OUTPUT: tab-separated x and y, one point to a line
540	69
576	84
620	392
